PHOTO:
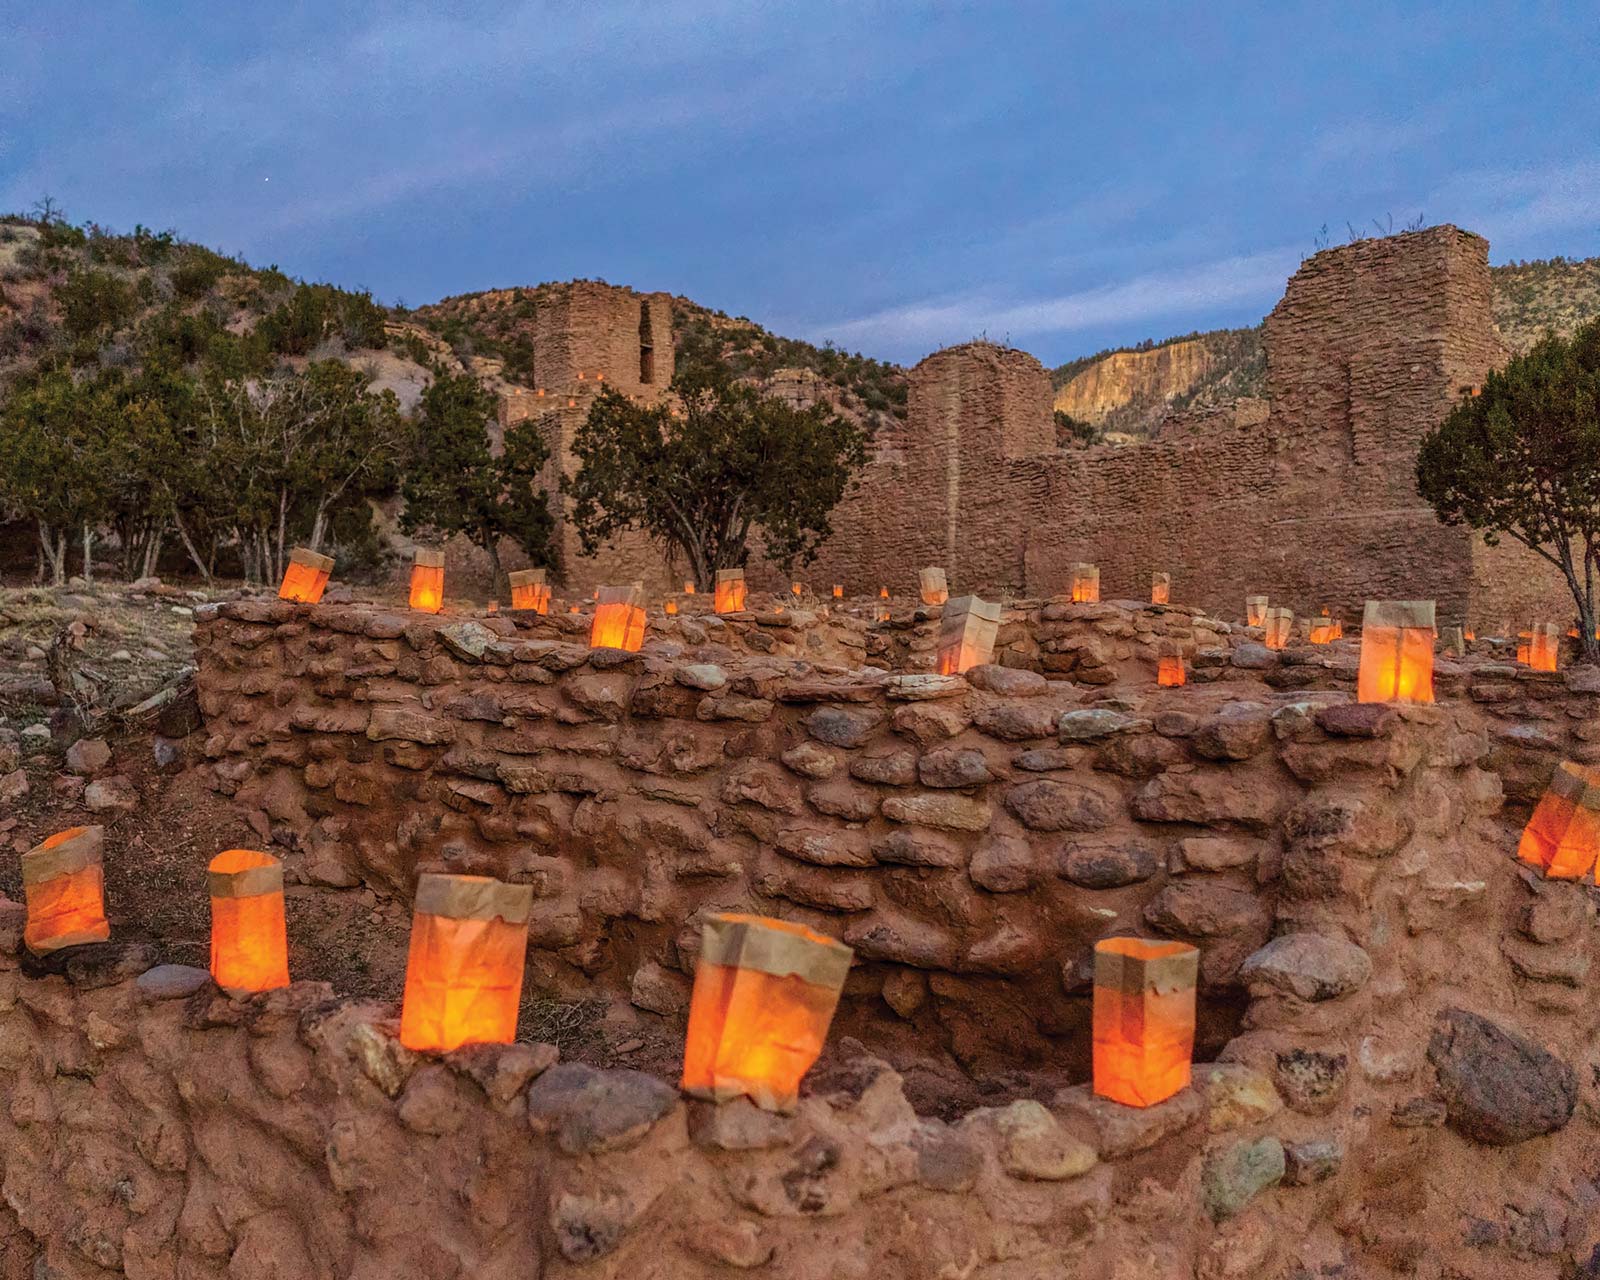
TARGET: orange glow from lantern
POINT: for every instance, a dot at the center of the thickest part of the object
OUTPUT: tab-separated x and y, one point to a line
571	402
469	940
1544	646
427	580
795	588
618	619
764	994
883	593
932	586
730	591
249	947
838	591
967	631
1277	624
1255	611
1085	584
1470	635
1169	671
672	606
1143	1019
529	590
688	588
1562	837
305	577
1160	588
1396	652
1320	631
63	883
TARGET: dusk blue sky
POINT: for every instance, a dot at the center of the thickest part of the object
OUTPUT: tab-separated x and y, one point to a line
896	177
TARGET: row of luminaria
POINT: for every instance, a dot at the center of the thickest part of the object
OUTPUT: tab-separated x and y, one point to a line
764	992
307	573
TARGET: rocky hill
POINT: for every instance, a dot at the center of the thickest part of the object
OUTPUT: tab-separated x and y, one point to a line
1126	392
493	331
96	299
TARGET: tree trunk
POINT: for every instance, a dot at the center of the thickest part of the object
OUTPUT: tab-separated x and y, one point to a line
491	547
88	551
194	552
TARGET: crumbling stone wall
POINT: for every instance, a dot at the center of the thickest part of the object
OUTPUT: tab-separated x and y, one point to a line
970	837
1410	1090
1313	503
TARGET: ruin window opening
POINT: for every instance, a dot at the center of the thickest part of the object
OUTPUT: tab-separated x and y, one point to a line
647	346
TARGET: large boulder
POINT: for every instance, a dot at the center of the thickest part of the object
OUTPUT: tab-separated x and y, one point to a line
1498	1087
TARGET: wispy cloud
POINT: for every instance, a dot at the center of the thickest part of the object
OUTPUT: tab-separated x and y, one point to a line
1514	205
1256	278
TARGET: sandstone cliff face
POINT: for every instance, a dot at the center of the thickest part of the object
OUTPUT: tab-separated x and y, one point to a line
1124	377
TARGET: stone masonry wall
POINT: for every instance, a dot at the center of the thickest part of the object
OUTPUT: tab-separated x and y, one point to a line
1408	1087
1313	503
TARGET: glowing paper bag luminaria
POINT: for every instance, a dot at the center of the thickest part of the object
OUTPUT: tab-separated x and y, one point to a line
1544	646
730	591
932	585
1143	1019
427	580
618	619
764	994
1452	641
249	943
1322	630
1396	652
1255	611
469	940
529	590
1085	582
838	591
1562	837
1160	588
1278	624
967	630
305	577
1169	666
63	882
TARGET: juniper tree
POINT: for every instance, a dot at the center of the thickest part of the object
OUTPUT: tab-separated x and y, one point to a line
1521	459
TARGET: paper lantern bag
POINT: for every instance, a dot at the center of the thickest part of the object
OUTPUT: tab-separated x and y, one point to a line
1160	588
305	577
932	585
529	590
1278	625
618	619
1396	652
1144	993
63	882
249	948
427	580
469	941
730	591
1562	837
967	630
1085	580
764	994
1255	611
1169	665
1544	646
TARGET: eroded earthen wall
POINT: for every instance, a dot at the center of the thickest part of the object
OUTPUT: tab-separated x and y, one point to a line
1411	1089
1313	504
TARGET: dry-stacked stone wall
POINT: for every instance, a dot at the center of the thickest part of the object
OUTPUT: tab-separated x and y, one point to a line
971	837
1405	1084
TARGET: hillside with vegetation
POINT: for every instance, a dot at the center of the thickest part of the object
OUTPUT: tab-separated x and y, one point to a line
493	330
1125	392
187	408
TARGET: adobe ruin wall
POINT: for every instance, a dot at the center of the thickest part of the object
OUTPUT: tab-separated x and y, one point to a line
1397	1077
1309	498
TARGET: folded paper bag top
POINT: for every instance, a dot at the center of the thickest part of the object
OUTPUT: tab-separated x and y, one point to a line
64	884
